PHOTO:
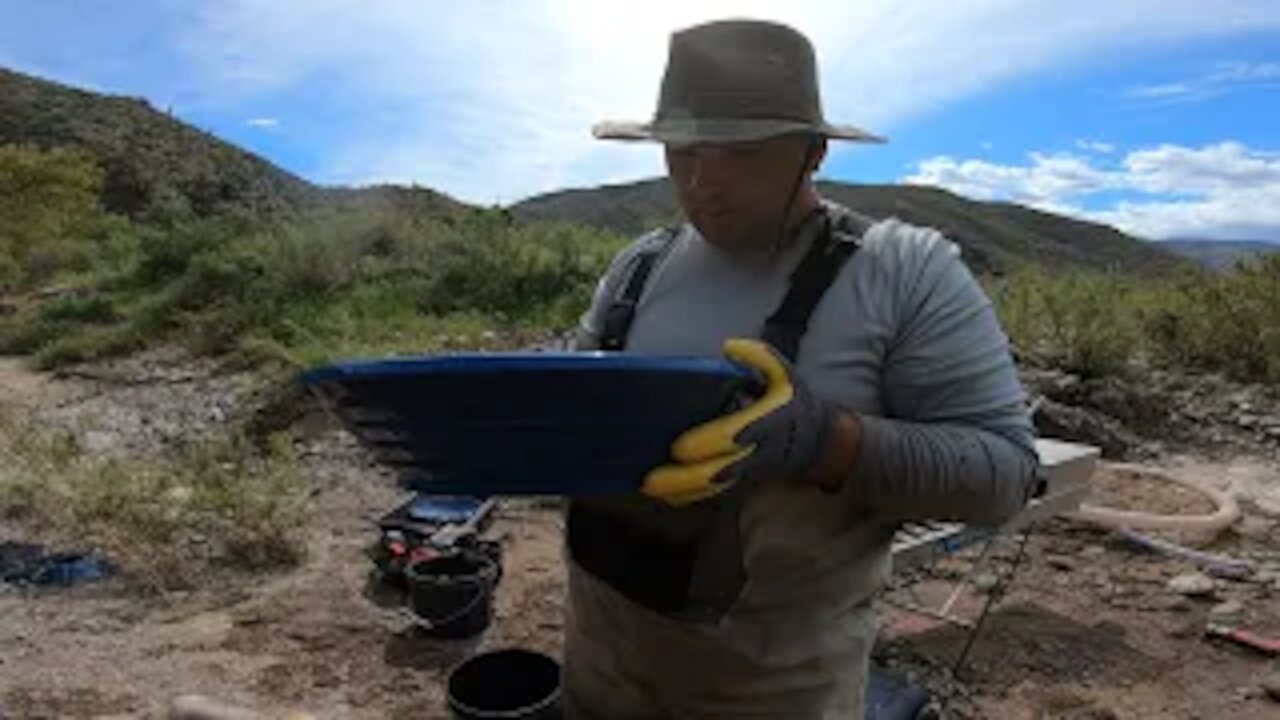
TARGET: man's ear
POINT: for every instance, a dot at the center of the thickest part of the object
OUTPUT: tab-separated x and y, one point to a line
817	153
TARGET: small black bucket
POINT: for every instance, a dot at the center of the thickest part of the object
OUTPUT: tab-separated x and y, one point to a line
452	595
509	684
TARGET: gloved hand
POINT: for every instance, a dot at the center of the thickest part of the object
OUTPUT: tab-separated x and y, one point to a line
786	434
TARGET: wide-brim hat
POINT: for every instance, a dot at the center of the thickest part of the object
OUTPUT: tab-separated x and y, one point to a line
736	81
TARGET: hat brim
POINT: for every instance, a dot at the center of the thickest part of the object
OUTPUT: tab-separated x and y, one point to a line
689	132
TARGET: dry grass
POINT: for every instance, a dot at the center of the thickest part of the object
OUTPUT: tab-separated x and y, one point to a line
165	523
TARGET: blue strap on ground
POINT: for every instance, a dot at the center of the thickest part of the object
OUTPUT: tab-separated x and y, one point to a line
31	564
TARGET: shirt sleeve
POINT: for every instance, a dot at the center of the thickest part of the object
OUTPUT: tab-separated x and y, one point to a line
956	441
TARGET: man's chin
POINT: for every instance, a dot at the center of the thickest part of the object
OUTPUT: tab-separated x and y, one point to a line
737	241
726	236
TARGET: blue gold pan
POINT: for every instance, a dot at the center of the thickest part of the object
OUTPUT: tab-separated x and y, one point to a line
527	423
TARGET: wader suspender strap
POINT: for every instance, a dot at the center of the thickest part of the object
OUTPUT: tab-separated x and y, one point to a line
620	314
660	575
783	329
809	282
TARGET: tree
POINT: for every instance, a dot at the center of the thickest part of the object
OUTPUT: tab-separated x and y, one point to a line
50	214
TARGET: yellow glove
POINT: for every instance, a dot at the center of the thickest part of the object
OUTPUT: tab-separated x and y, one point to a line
784	434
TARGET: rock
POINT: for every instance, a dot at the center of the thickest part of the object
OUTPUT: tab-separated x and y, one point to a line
1093	552
985	582
1146	574
1245	693
1252	527
1054	419
1226	610
196	707
1186	629
1061	562
1267	507
1192	585
1271	686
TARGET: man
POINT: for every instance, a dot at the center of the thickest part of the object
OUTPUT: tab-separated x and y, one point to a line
739	582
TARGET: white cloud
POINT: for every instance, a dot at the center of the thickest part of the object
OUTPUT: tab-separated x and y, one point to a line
1225	190
1223	78
1223	167
494	100
1045	180
1096	146
1156	92
262	122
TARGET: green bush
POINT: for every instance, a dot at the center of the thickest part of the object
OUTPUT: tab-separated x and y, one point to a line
1227	322
51	223
1081	322
369	280
90	308
1107	324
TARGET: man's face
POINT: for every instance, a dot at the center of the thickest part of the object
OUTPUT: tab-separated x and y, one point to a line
737	193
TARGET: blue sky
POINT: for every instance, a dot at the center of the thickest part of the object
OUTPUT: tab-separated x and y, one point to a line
1161	117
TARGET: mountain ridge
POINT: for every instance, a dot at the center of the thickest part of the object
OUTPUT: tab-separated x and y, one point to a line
995	237
1220	254
158	167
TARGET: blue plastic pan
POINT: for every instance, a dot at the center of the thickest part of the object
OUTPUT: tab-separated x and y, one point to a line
527	423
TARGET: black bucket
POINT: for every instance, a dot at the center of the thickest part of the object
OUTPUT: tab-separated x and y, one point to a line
452	595
509	684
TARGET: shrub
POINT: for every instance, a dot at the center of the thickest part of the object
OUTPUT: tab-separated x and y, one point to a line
50	219
1103	324
1227	321
1079	321
369	279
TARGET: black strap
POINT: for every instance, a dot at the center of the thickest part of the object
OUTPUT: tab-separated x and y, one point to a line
783	329
644	566
809	282
622	311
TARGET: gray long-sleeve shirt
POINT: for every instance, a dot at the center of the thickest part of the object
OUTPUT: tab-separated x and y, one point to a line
905	338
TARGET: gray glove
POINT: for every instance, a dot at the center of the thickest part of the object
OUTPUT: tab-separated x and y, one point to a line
784	434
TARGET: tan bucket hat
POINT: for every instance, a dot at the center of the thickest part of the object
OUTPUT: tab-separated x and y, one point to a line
735	81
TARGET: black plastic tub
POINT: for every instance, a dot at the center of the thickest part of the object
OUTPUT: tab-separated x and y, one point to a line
452	595
511	684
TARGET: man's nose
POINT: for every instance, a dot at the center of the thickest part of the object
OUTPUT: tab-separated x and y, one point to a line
707	166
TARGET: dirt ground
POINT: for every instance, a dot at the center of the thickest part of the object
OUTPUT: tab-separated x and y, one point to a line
1086	629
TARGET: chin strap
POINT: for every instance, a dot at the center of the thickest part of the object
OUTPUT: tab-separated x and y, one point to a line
810	151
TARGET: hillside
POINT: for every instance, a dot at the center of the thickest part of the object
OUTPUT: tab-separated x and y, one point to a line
153	162
995	236
1220	254
124	229
157	167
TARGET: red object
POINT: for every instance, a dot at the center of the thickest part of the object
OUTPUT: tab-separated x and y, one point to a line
1247	638
423	552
